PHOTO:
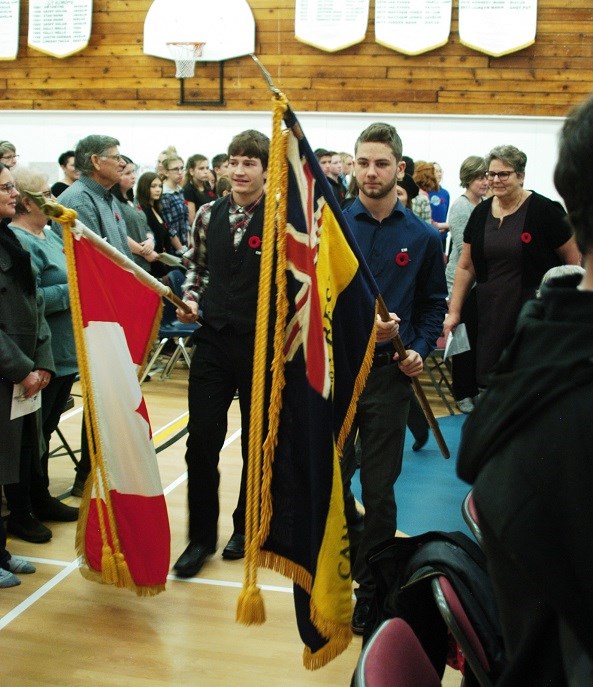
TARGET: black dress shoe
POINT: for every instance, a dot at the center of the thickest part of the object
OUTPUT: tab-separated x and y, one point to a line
235	549
53	509
26	526
191	560
360	615
420	443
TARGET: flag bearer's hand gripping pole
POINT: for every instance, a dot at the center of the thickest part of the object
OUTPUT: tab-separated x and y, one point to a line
402	355
67	218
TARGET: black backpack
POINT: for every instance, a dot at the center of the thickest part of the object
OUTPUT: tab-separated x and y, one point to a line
403	568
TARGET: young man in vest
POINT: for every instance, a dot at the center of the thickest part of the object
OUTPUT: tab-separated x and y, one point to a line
223	285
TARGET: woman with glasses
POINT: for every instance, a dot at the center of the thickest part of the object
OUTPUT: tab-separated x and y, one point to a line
30	502
25	360
510	241
8	156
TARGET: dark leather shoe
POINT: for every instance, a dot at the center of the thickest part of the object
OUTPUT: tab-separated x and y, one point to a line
235	549
360	615
53	509
191	560
26	526
420	443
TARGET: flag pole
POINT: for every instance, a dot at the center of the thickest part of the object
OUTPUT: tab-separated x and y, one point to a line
383	311
67	218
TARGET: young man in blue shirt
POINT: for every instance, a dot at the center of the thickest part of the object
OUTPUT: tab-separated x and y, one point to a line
405	256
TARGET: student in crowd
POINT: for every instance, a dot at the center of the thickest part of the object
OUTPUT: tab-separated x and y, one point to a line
196	186
30	502
406	258
25	359
69	172
526	448
220	166
510	241
420	205
439	204
175	212
141	241
148	195
223	285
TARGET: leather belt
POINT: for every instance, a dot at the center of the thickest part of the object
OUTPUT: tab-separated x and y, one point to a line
385	358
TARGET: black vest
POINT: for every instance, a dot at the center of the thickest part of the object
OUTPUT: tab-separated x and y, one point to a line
231	296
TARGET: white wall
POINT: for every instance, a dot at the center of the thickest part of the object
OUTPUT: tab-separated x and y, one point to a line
40	137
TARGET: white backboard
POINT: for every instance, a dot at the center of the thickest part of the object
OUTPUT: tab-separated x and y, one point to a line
226	26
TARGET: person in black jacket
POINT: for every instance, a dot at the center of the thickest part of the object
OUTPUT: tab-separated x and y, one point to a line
223	284
527	450
510	241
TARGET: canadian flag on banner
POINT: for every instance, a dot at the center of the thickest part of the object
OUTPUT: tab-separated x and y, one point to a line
123	531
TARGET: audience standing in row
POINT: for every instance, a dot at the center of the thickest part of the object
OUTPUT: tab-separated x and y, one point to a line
69	171
175	212
196	186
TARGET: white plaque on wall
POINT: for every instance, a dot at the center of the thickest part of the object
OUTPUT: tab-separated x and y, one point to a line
60	27
497	27
412	26
9	29
331	25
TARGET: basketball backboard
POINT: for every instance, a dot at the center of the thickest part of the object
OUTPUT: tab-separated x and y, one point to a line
227	27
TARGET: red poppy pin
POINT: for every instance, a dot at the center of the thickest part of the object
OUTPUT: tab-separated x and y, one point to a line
186	202
254	242
402	258
526	237
117	217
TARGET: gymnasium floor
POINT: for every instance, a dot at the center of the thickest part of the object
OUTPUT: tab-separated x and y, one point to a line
58	629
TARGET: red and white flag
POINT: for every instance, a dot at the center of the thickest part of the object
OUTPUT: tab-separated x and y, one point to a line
123	531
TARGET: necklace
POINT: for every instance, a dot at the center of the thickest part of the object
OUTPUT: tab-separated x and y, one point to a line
505	213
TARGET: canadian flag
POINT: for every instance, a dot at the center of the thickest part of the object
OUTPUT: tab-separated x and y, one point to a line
123	532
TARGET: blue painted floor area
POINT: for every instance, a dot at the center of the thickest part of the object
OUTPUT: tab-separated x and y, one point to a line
428	492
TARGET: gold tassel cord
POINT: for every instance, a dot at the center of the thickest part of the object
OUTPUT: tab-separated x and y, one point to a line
250	606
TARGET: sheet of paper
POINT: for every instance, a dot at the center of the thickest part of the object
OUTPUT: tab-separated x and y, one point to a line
457	342
21	405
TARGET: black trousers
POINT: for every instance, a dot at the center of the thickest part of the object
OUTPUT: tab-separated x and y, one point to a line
463	365
222	364
381	417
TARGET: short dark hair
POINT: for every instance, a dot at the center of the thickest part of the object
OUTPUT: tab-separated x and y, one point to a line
573	175
380	132
251	143
64	157
219	159
321	152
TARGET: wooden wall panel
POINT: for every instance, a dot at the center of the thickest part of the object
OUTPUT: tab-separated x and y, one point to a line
113	73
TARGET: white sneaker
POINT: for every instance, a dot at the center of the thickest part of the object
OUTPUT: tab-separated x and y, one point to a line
7	579
466	405
19	565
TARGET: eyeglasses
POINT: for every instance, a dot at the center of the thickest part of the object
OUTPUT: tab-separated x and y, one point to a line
7	188
47	194
502	176
9	157
119	158
175	169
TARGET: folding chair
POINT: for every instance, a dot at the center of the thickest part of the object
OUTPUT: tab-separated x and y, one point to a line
461	628
393	657
65	445
470	515
439	373
179	333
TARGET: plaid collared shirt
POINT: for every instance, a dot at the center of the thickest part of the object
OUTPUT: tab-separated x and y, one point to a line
175	213
197	276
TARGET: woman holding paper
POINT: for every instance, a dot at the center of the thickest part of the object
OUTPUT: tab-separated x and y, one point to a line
25	359
510	241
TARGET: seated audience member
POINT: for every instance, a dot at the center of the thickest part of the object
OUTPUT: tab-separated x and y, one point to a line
71	174
8	156
30	501
141	241
527	450
175	212
196	185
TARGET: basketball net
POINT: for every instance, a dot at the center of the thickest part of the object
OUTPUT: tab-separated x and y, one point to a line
185	55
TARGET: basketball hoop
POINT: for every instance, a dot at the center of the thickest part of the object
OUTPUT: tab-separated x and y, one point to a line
185	54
